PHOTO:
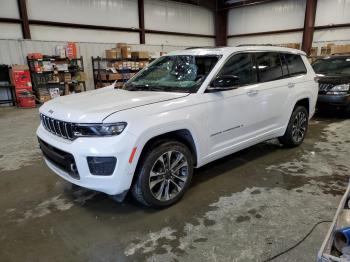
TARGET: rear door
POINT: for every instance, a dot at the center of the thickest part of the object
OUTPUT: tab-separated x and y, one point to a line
274	90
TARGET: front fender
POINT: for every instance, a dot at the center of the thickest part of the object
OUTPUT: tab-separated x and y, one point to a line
158	130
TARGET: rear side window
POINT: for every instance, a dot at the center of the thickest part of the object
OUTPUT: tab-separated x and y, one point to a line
295	64
242	67
269	66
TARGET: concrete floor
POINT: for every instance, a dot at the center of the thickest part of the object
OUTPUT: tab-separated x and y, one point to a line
246	207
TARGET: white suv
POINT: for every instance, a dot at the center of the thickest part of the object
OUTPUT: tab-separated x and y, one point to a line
185	110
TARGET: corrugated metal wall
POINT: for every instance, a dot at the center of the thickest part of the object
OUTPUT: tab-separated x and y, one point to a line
15	52
276	15
159	15
289	14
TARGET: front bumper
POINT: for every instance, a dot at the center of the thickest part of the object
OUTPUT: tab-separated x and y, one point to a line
333	101
118	146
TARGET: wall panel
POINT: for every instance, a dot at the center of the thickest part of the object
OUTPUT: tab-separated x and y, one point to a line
267	39
10	31
53	33
332	35
275	15
178	17
9	9
332	12
120	13
158	39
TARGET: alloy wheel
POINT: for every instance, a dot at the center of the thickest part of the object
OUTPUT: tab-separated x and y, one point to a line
299	127
168	175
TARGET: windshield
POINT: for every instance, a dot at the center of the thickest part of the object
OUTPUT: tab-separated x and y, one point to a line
181	73
333	66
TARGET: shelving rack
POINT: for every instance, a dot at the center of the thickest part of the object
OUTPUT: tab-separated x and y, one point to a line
100	66
43	81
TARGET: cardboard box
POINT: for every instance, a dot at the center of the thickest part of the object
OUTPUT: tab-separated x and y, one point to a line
111	54
340	49
293	45
44	98
114	76
126	52
81	76
314	51
120	45
325	50
19	67
140	54
114	53
67	77
101	85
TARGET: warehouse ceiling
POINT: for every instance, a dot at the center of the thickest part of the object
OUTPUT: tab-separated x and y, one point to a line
222	4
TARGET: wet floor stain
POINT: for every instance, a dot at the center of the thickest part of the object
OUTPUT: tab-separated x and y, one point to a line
266	188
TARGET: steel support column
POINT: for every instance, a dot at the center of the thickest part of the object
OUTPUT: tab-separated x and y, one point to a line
309	25
221	27
141	11
22	7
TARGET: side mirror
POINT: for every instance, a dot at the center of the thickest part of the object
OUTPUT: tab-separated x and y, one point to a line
224	82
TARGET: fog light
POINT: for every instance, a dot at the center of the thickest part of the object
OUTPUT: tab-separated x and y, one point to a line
101	166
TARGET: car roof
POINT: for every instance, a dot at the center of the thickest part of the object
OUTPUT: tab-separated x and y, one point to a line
229	50
335	56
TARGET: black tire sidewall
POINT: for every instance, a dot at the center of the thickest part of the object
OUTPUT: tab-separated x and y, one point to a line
290	125
147	164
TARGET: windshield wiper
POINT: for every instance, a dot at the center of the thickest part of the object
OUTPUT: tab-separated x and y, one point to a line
137	88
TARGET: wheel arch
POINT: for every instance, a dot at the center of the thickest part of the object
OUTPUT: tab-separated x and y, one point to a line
183	135
305	102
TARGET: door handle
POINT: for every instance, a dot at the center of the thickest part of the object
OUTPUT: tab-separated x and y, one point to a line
252	92
291	85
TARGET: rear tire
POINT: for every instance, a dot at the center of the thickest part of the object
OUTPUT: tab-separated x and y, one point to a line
163	175
296	129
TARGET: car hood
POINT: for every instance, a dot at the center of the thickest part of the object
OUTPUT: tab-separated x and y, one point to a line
94	106
333	79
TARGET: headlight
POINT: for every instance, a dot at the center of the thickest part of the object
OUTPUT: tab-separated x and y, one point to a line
339	89
98	129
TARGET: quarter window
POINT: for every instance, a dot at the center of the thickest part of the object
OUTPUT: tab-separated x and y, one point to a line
240	66
269	66
295	64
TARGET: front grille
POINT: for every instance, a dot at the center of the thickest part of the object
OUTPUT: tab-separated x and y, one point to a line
323	88
58	128
59	158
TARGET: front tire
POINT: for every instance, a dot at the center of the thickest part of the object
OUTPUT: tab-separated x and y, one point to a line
296	129
164	175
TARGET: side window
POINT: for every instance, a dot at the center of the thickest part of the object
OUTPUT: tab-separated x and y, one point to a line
269	65
242	68
295	64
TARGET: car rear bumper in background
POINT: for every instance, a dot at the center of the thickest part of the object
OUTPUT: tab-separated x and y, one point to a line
68	159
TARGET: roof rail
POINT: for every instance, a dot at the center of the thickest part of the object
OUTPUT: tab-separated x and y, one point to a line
199	47
255	45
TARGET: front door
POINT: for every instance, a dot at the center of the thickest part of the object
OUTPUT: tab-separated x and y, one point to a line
233	115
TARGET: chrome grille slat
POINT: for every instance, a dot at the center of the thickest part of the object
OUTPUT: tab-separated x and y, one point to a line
53	126
324	87
57	127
